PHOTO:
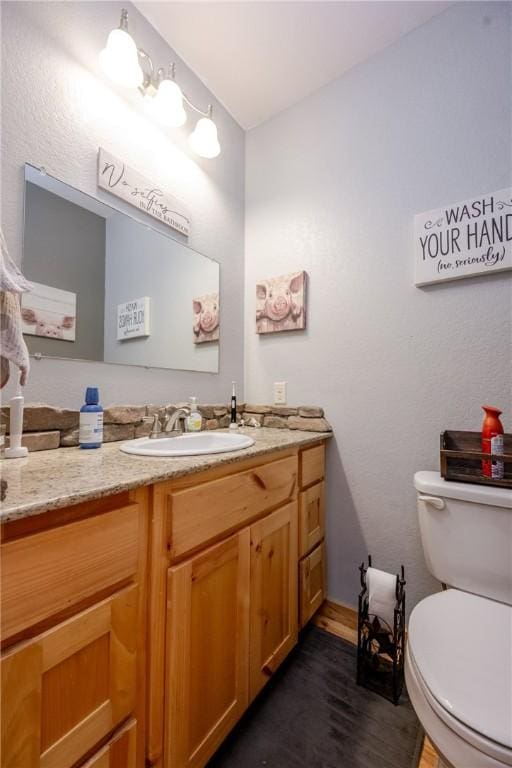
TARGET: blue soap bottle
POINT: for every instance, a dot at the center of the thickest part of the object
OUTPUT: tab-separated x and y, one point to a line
90	433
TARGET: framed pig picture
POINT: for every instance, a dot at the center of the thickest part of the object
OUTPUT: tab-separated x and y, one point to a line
49	312
206	318
281	303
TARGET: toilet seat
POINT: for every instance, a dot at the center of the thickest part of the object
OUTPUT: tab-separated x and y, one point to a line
460	746
459	674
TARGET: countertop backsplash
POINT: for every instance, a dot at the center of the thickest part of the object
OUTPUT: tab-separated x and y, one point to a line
47	427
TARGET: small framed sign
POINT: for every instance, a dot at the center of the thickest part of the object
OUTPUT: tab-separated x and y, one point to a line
473	237
49	312
133	319
116	177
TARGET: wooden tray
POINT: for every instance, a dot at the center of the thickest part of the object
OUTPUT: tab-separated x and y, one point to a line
461	458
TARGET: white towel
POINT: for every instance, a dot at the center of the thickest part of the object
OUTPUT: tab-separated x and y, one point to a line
11	277
12	343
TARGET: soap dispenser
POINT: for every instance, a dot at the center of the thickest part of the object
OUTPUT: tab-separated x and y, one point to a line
194	419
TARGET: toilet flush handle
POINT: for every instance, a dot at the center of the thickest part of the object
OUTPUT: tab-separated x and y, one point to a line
435	501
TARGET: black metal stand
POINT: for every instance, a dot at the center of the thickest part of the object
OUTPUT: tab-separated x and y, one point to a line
380	648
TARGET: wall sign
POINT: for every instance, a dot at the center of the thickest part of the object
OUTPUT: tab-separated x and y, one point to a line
281	303
206	318
115	177
49	312
472	237
133	319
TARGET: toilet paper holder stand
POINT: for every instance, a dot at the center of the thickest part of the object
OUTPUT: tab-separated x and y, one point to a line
380	647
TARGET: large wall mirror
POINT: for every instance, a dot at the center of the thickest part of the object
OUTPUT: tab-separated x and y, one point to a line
109	288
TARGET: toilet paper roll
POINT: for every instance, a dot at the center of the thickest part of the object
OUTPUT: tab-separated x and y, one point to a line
381	594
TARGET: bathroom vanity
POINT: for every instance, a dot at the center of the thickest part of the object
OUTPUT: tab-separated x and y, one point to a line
146	602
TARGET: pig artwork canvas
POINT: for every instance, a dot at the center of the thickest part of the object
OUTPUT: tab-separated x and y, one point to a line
281	303
206	318
49	312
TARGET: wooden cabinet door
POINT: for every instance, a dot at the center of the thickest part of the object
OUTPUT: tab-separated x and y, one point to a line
273	629
66	689
207	650
312	583
311	518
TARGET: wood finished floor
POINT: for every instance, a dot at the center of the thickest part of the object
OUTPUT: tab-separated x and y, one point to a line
342	621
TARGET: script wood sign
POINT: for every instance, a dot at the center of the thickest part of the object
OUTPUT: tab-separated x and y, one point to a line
473	237
116	177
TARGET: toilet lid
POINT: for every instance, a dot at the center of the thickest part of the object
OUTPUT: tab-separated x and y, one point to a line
462	647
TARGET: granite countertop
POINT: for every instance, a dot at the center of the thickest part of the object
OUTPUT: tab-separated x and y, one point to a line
48	480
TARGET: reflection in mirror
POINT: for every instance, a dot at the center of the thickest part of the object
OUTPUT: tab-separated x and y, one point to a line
109	288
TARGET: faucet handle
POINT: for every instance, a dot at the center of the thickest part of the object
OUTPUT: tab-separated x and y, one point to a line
156	428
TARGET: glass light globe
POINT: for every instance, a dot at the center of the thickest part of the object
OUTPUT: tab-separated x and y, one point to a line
204	139
167	106
120	60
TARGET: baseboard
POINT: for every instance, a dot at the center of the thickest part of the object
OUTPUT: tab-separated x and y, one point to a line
337	618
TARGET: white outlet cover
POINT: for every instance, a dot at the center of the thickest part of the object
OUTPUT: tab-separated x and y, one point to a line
280	392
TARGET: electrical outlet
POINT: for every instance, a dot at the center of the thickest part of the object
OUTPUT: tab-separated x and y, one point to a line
280	392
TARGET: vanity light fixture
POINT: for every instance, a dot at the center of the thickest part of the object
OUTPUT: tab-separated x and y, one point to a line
166	105
164	100
119	59
203	139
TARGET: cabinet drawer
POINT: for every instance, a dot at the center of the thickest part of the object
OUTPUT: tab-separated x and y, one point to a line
311	518
68	688
120	752
208	511
47	572
312	465
312	583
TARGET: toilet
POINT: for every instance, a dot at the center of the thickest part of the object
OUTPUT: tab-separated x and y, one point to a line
458	664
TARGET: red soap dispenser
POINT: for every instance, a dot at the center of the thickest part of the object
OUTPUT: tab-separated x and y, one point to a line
492	442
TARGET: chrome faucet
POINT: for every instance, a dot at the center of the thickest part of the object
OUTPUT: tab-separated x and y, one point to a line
171	420
170	427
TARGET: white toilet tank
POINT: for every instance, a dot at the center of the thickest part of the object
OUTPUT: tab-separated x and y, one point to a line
466	531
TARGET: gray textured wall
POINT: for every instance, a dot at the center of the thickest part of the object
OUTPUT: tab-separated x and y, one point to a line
57	109
332	187
64	247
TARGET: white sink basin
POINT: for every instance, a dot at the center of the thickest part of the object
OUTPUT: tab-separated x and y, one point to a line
193	444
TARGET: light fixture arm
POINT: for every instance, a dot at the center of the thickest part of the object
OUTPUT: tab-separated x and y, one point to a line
153	78
148	77
209	109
